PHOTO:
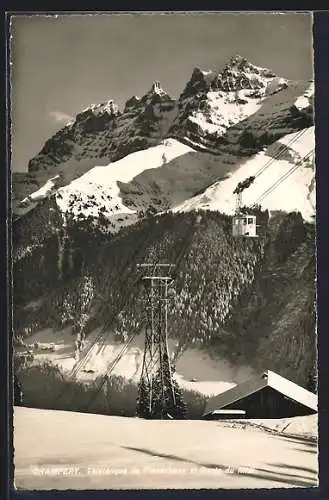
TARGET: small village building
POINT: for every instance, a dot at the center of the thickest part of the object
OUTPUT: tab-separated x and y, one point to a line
266	396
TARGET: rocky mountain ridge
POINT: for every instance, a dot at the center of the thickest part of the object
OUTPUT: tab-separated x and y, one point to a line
232	113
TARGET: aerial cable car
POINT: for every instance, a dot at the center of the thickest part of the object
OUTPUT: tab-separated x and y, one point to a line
243	224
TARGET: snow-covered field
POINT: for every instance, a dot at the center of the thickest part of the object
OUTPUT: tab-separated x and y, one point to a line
306	427
195	369
66	450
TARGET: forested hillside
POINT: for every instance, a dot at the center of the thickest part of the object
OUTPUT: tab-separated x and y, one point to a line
247	300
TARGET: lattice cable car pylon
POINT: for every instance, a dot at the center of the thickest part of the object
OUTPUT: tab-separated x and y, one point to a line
157	390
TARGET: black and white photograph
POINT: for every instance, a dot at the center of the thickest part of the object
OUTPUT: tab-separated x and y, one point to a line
163	251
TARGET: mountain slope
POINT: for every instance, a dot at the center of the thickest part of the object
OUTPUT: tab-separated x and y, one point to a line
169	176
294	193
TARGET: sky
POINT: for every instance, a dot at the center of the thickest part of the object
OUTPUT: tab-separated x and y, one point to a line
62	64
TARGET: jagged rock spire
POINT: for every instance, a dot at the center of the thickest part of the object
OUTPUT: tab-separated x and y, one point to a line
156	86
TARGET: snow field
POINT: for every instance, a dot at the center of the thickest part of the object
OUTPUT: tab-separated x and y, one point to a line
293	194
66	450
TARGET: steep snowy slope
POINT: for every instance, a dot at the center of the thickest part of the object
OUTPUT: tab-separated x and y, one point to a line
158	178
31	201
295	193
97	192
171	173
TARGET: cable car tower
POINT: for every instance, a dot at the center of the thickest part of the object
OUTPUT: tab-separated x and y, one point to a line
243	224
158	395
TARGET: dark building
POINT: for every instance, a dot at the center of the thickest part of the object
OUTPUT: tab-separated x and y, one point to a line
266	396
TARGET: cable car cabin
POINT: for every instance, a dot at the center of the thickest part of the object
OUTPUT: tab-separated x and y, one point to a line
244	225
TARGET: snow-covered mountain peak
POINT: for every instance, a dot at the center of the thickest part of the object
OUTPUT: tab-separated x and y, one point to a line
240	74
155	94
238	60
239	63
101	133
108	107
214	103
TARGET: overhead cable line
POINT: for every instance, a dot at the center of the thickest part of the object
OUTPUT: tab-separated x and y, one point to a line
282	178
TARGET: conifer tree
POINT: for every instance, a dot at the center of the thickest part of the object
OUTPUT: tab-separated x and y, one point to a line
142	406
179	409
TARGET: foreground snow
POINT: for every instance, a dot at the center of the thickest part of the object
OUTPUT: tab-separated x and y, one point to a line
66	450
306	426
